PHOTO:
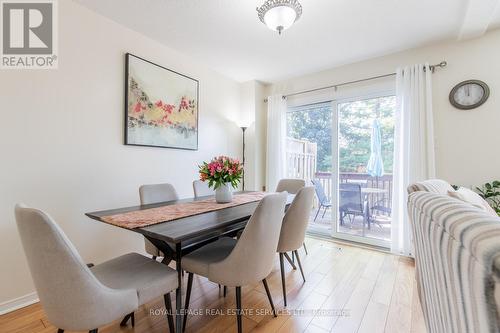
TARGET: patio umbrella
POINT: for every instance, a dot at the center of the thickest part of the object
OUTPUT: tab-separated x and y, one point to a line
375	166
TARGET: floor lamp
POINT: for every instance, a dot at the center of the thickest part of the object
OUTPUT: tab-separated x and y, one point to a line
243	129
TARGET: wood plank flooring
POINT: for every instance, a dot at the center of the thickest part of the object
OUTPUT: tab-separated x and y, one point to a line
347	289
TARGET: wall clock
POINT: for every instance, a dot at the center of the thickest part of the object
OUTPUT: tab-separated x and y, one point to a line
469	94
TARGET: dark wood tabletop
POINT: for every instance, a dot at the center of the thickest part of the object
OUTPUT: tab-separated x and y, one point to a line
190	227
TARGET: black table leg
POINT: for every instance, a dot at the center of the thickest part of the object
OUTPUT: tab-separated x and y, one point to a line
178	292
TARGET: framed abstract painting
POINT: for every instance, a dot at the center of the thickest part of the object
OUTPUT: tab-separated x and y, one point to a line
161	106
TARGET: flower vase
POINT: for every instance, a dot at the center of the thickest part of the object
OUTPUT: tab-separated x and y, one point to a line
224	193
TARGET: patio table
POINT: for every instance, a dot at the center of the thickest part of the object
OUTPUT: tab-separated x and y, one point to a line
367	191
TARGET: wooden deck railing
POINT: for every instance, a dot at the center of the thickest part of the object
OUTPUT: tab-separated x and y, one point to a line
301	159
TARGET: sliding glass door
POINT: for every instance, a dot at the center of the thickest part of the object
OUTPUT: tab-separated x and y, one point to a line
364	129
345	149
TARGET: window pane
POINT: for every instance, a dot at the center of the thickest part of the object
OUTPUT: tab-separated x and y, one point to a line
313	123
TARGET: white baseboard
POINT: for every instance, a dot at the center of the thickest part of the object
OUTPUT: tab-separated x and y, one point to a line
18	303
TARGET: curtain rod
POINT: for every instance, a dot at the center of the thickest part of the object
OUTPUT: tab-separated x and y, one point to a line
442	64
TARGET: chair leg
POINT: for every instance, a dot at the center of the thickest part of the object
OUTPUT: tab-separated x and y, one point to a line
289	260
60	330
315	217
324	212
170	316
132	318
154	258
300	266
293	257
282	264
305	248
93	331
238	309
188	296
126	318
269	297
225	291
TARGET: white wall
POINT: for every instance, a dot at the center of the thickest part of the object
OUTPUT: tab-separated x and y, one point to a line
61	139
253	115
466	141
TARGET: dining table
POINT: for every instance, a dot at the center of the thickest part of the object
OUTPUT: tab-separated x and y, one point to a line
176	234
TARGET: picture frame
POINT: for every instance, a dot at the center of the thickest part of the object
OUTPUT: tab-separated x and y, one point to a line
161	106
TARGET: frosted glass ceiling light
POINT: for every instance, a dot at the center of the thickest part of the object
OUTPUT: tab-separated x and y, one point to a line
279	15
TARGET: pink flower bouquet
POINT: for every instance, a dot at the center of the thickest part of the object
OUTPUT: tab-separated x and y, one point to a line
221	170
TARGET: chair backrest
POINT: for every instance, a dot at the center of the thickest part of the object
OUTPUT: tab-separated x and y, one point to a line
155	193
201	189
252	259
457	256
293	229
350	198
320	191
292	186
71	295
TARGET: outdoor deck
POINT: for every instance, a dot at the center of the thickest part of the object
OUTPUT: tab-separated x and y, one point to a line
381	230
381	225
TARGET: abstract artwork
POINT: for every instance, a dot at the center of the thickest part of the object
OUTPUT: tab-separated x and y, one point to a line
161	106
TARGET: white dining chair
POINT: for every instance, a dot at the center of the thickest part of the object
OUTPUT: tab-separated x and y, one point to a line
201	189
78	298
292	186
293	230
151	194
247	261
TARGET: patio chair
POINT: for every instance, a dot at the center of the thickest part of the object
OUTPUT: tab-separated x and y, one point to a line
382	206
351	202
323	200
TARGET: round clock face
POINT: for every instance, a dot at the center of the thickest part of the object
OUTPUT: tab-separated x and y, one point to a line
469	94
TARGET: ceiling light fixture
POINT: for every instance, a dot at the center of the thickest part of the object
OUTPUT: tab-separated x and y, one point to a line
279	15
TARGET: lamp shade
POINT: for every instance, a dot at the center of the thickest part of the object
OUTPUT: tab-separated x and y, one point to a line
280	18
279	15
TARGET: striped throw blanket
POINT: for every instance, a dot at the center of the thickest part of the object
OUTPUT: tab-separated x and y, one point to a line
457	253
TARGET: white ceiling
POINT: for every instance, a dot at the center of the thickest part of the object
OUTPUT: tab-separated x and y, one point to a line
228	36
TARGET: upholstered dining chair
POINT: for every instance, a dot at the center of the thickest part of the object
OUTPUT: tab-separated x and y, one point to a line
293	230
78	298
201	189
151	194
290	185
249	260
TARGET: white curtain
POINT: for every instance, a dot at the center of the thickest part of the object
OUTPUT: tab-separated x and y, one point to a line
413	146
276	134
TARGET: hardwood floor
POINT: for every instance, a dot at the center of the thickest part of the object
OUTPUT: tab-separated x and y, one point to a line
348	289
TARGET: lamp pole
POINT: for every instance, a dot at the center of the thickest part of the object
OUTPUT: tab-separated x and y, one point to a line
243	128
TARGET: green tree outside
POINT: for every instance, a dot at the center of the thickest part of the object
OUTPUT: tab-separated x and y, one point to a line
314	123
